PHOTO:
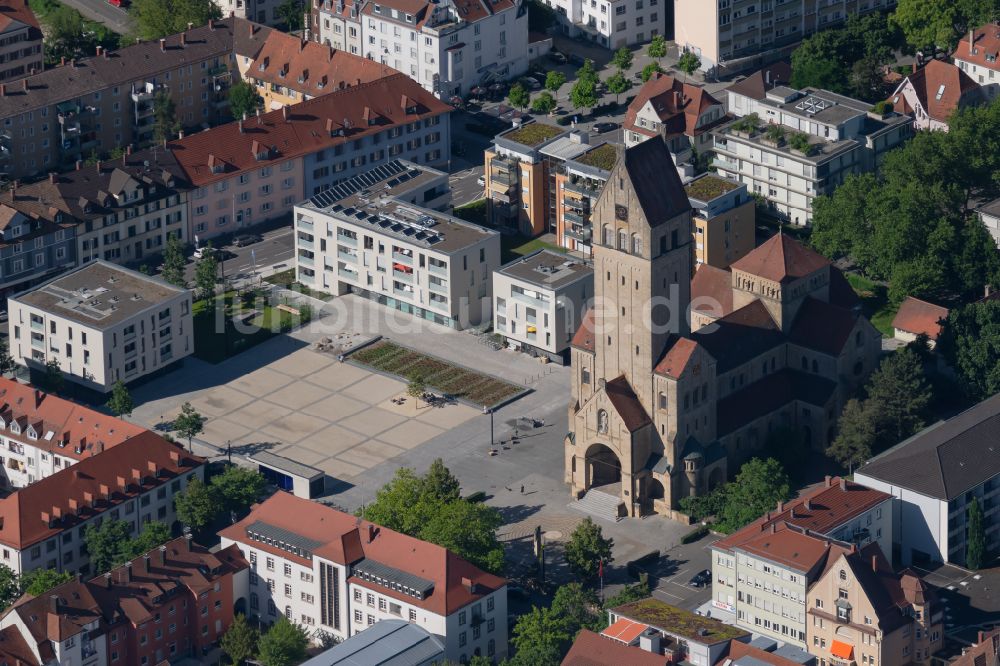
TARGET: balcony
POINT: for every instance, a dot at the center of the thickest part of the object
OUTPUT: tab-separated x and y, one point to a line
404	258
305	243
345	272
144	92
439	288
305	223
403	276
503	178
347	240
576	204
440	269
583	234
530	300
574	218
347	256
306	259
583	187
403	293
37	325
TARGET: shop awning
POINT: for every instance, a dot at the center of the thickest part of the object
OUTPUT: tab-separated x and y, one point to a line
842	650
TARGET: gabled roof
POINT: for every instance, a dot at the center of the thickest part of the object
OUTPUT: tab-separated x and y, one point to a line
744	654
917	316
822	327
984	50
781	259
941	88
658	190
14	649
986	651
770	394
946	459
756	85
627	404
17	11
584	336
675	361
789	547
740	336
677	105
590	649
712	288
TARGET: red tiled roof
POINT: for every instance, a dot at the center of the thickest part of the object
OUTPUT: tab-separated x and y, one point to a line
31	514
627	404
738	649
345	540
781	259
675	361
590	649
770	394
985	652
322	68
77	432
757	84
986	42
584	336
16	10
789	547
14	649
740	336
916	316
326	121
678	106
941	88
822	327
712	287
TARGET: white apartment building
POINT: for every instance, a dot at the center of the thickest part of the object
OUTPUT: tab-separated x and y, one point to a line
332	573
539	302
448	47
841	137
102	323
338	24
735	35
43	525
760	574
377	235
978	55
264	12
612	23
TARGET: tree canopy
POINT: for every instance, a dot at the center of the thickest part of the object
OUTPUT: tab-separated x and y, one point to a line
284	644
518	96
244	100
587	548
975	549
173	262
159	18
649	70
196	506
240	641
757	488
657	47
970	341
120	402
554	80
189	423
622	58
39	581
10	587
941	23
205	272
540	637
689	62
111	544
544	103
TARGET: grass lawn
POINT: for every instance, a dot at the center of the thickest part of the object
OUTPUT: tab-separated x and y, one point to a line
874	303
286	279
217	336
512	247
474	212
451	379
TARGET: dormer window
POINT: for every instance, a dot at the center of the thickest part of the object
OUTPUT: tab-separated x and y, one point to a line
15	428
409	18
31	433
378	9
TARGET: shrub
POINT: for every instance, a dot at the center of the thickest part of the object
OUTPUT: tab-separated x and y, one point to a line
882	107
800	142
695	534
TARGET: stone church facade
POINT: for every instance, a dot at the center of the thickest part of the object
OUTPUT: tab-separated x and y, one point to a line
678	381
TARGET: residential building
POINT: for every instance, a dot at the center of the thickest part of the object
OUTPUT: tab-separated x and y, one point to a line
102	324
590	649
612	23
43	524
989	213
377	235
65	114
337	23
20	41
328	570
681	113
745	95
448	46
539	301
264	12
32	250
680	635
820	139
70	433
398	641
977	57
761	573
862	612
660	412
173	602
986	650
724	220
289	70
577	185
916	317
117	210
765	652
933	93
251	171
934	477
731	37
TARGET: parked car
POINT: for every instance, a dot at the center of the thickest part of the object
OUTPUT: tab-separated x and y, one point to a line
601	128
119	3
701	579
246	239
481	181
202	251
557	57
516	591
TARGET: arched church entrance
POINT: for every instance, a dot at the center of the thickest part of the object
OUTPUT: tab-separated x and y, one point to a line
605	468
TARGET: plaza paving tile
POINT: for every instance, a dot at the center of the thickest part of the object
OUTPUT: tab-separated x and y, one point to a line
374	389
298	394
221	401
260	414
337	376
381	449
300	454
448	416
410	434
218	431
335	407
361	456
372	421
332	440
339	469
293	427
304	362
261	382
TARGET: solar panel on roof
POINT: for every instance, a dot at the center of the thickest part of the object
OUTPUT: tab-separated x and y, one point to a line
361	215
409	231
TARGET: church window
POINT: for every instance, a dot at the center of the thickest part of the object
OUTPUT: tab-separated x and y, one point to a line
609	340
636	244
857	338
673	238
623	311
663	244
622	240
609	275
663	400
687	400
585	376
608	236
621	213
637	350
602	421
704	392
637	285
815	366
623	280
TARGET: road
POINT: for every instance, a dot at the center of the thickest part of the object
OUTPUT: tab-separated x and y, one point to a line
99	10
277	247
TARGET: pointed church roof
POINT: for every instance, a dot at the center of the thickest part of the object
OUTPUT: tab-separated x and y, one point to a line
657	186
675	361
584	336
627	404
781	259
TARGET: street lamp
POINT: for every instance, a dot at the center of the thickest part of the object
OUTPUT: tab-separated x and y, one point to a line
487	410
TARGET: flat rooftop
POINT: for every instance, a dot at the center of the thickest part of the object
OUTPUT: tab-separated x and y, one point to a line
368	202
567	147
547	269
99	295
679	622
602	157
709	187
532	134
822	106
286	465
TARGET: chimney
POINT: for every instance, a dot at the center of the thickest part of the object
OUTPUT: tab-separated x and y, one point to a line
73	504
241	124
187	542
98	49
649	641
107	581
57	512
52	624
62	60
913	67
677	99
774	528
183	39
52	179
302	45
468	584
211	24
972	38
175	457
145	563
24	85
128	572
79	164
105	490
781	507
767	77
843	483
105	52
284	112
163	44
136	475
98	166
372	533
190	25
875	563
153	468
827	480
54	604
128	149
121	483
807	504
163	555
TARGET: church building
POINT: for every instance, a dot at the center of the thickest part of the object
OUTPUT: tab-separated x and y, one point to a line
678	381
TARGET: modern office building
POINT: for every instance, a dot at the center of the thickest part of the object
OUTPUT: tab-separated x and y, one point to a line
977	55
539	301
819	138
934	477
42	525
731	36
331	572
20	41
612	23
577	184
723	216
378	235
102	324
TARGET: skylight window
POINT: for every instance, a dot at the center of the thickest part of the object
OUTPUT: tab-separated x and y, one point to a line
940	92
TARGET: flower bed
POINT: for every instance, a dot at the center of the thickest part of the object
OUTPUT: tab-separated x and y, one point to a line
453	380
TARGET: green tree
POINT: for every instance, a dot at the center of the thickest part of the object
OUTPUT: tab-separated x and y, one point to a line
975	549
815	62
240	641
554	80
622	59
7	363
578	607
244	99
899	394
111	544
657	48
856	432
284	644
165	122
160	18
237	488
10	587
189	423
153	535
617	83
206	272
587	72
628	594
540	637
416	387
970	341
196	505
440	483
583	95
703	506
467	529
173	262
518	96
39	581
758	488
941	23
544	103
689	62
291	14
649	70
53	379
587	548
120	403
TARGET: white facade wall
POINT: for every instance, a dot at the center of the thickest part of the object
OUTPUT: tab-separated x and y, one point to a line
987	78
613	23
555	314
339	27
259	11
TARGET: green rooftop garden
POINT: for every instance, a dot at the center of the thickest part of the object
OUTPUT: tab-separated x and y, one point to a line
533	134
681	622
602	157
708	187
